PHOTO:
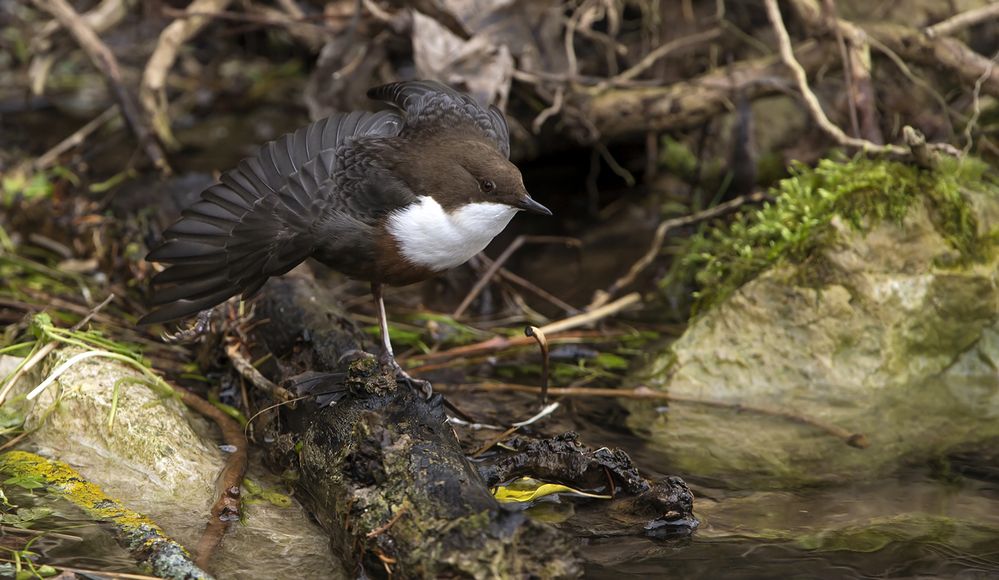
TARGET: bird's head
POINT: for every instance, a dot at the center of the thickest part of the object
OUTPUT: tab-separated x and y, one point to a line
460	172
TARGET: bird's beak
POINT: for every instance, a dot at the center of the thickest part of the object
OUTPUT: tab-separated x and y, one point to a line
527	203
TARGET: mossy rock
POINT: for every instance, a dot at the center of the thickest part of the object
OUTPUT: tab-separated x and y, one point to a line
865	297
163	460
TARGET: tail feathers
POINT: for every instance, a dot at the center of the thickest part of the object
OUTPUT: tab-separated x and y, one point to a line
191	290
187	307
185	251
189	273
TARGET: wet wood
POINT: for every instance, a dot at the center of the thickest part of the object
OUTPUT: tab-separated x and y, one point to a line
380	467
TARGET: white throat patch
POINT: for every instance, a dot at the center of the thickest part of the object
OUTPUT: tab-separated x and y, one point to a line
430	237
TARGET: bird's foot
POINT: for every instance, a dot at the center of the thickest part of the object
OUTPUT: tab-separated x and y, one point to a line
424	386
201	326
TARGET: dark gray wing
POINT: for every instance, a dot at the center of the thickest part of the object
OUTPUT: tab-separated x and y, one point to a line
429	105
262	219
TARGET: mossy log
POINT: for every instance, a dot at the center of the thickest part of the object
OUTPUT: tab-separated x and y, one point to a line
380	467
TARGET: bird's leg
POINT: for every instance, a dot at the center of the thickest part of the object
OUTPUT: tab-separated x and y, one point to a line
388	357
383	330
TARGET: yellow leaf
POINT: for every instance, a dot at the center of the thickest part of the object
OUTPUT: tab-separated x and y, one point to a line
527	489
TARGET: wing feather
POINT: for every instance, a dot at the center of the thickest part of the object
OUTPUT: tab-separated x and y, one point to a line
259	220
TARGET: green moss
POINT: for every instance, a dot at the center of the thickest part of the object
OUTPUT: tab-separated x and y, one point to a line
862	191
676	158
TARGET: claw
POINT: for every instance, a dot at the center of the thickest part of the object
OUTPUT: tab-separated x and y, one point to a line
425	387
202	325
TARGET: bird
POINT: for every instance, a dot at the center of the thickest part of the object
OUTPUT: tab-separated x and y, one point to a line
390	197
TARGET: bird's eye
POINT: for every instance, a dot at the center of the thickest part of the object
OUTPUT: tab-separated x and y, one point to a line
487	186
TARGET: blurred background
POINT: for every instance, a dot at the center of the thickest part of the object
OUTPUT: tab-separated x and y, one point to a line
816	356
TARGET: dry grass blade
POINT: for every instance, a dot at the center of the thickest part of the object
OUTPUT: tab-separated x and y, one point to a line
47	349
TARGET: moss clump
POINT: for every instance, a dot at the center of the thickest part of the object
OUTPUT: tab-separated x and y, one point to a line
862	191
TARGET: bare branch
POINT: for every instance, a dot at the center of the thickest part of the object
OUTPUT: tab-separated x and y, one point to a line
963	20
102	58
152	91
811	101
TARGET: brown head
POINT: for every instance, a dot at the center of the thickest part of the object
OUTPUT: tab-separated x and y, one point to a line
459	170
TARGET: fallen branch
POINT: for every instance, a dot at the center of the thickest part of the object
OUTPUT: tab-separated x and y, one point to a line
102	58
914	46
136	533
380	447
629	112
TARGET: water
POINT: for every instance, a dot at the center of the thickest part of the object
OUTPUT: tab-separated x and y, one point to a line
920	523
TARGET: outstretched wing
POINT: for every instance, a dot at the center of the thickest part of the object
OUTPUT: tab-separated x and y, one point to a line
261	219
429	105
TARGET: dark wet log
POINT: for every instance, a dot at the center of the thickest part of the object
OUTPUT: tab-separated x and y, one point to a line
380	468
564	458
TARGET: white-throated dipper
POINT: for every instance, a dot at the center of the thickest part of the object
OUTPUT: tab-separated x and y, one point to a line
391	197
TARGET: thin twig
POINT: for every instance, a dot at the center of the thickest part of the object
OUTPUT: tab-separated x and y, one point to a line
250	373
539	336
250	18
544	412
809	98
602	297
102	58
848	66
76	138
858	440
963	20
976	105
499	343
492	441
554	109
387	525
591	316
502	259
48	348
152	90
532	288
650	59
